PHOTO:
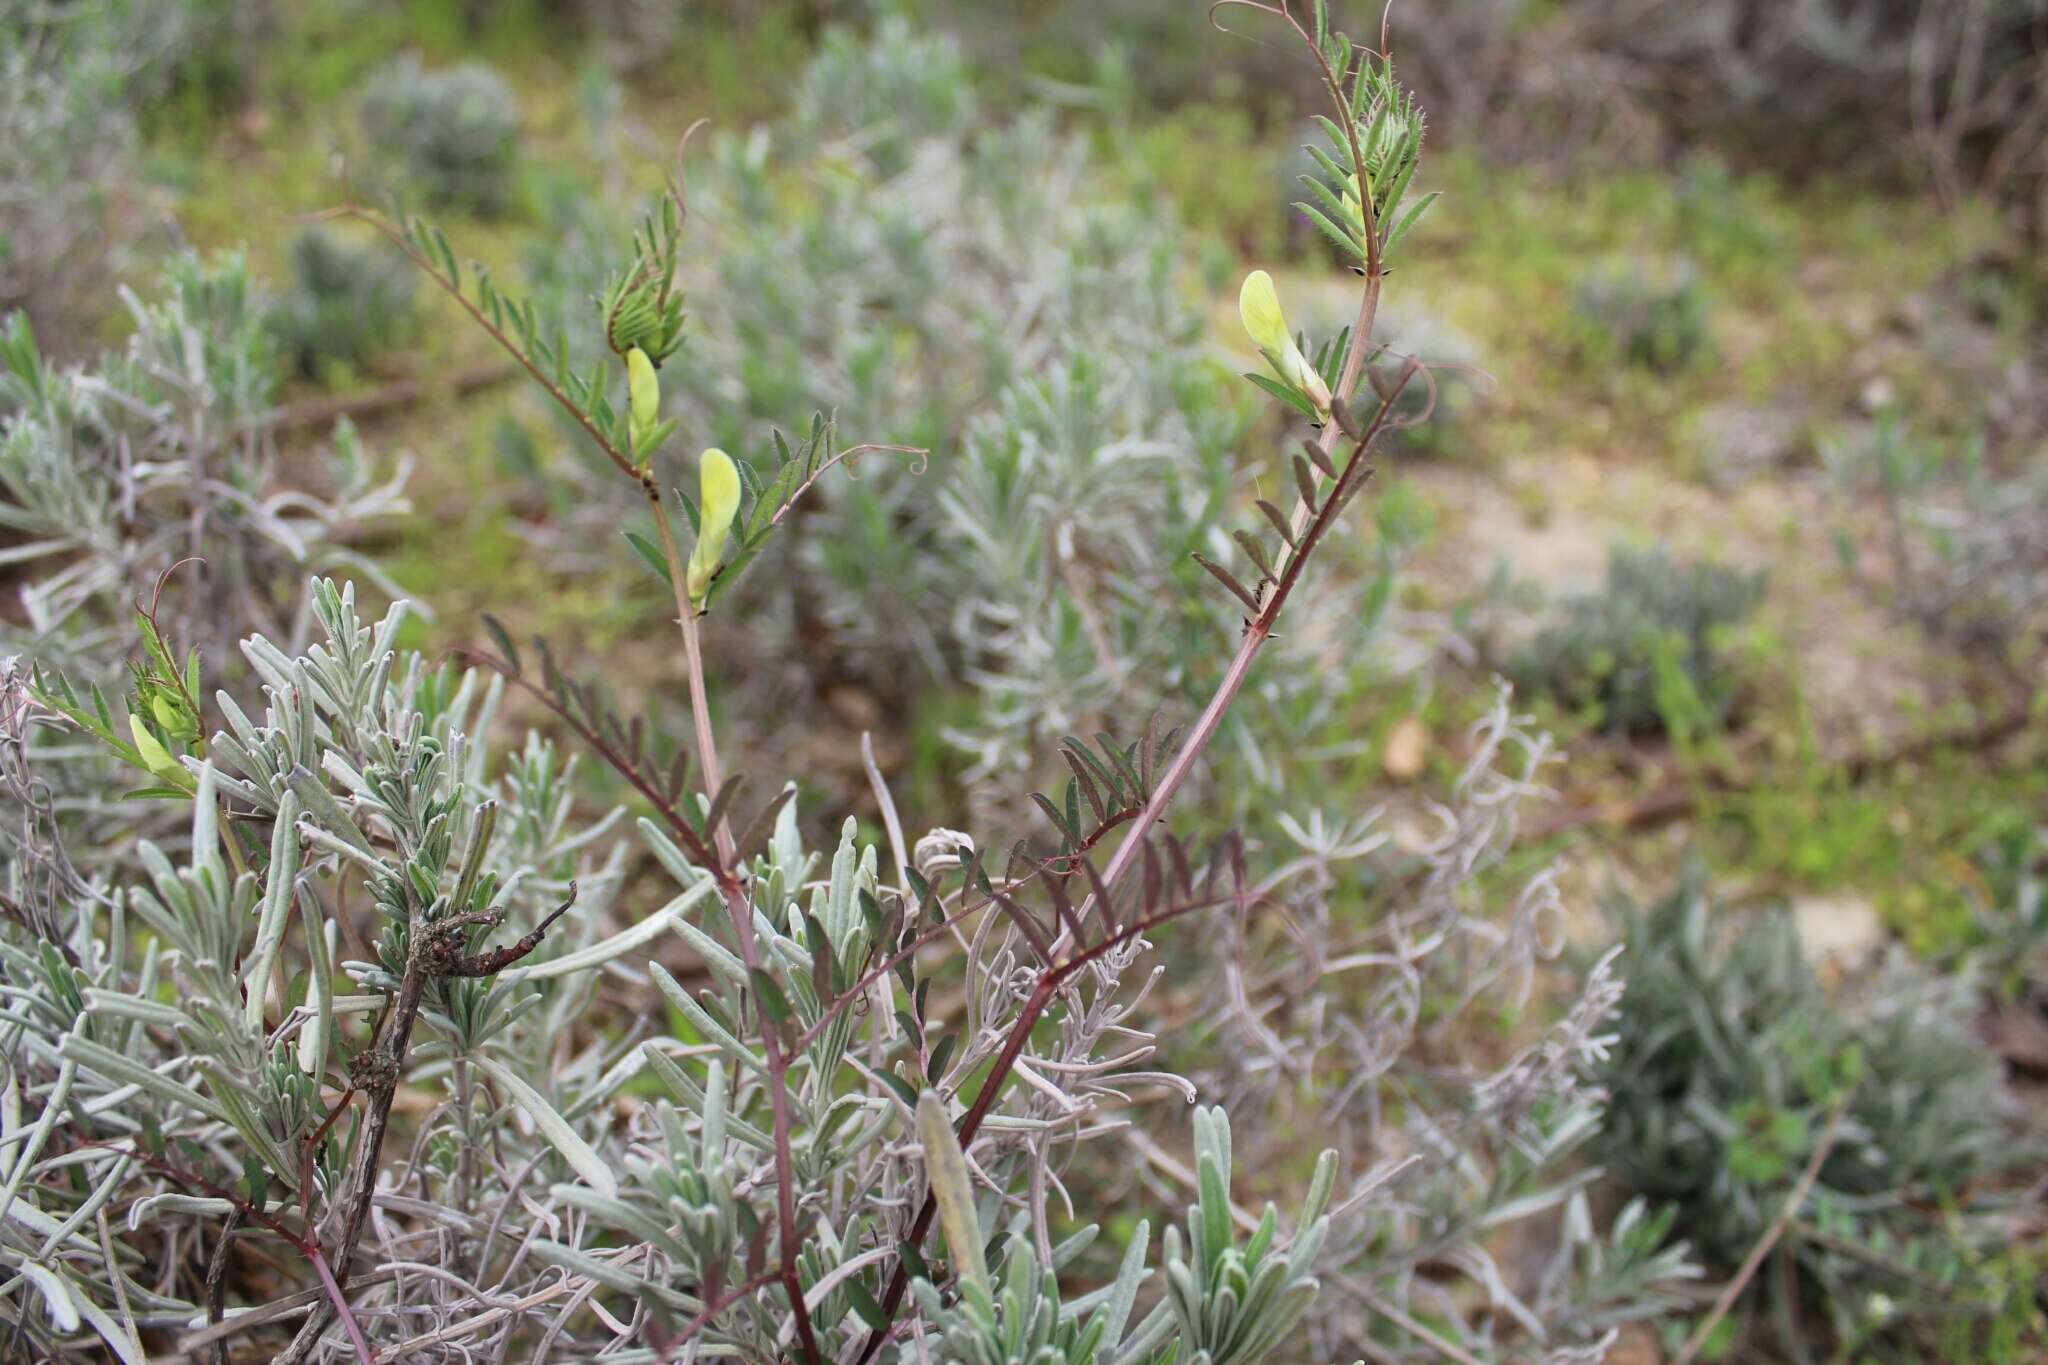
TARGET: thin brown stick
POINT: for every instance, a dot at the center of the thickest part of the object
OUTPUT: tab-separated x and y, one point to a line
400	393
1754	1261
379	1071
216	1280
290	1305
1256	633
453	289
739	908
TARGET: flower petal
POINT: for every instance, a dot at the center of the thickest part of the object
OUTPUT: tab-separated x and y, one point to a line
1259	305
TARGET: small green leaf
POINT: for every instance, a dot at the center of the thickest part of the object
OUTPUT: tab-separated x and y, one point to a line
769	992
864	1305
941	1054
904	1090
1283	393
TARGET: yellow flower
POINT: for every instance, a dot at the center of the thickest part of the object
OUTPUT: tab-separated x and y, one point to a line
718	502
1259	306
645	391
155	757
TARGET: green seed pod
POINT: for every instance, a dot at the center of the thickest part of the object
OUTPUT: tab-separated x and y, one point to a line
945	1168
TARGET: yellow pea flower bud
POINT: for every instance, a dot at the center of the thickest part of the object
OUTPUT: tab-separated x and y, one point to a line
166	714
644	388
1259	305
718	502
155	757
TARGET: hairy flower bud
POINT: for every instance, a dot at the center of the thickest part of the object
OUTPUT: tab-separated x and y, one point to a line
155	757
718	502
1259	305
644	388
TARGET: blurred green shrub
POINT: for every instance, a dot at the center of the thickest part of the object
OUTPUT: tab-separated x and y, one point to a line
1965	549
887	91
1637	312
1734	224
342	305
1650	642
452	133
2011	911
1729	1063
73	80
1213	164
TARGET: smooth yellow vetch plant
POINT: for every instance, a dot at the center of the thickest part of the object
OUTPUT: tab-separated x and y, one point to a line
945	1169
644	389
1259	306
718	502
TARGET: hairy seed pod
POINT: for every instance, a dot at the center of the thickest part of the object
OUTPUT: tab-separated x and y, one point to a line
952	1188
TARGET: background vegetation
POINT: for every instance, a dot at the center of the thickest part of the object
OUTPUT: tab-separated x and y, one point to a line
1731	456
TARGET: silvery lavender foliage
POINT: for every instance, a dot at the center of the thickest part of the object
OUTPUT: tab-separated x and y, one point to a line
1650	645
36	871
453	134
150	481
1370	1038
343	304
172	1046
856	974
71	80
1223	1302
1653	314
184	1074
1019	1315
162	451
1964	545
885	92
1731	1060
